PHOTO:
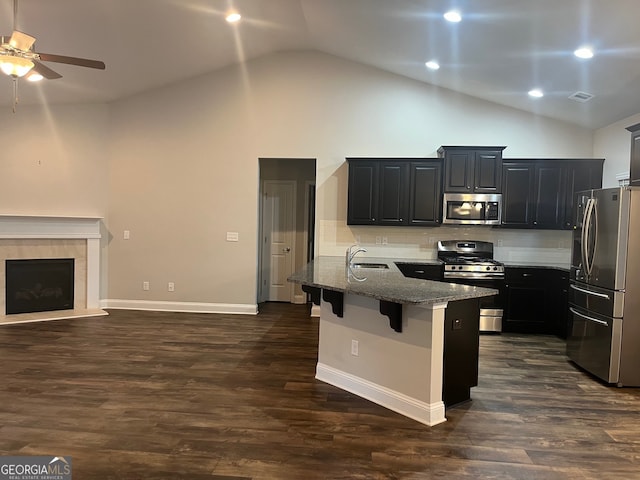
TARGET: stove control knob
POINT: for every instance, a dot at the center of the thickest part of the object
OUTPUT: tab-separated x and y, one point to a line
495	268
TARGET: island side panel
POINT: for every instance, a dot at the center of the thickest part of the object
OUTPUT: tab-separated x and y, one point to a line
400	371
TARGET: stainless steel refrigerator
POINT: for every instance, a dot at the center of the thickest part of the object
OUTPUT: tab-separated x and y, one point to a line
604	293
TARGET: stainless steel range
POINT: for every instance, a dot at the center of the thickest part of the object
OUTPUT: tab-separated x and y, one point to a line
471	262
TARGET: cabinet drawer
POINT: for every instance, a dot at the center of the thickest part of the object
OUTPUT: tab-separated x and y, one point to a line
425	271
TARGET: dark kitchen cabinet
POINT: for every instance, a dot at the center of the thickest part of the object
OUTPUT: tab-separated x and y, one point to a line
549	195
461	351
561	303
517	194
634	170
536	300
425	193
362	208
424	271
541	193
472	169
394	192
580	175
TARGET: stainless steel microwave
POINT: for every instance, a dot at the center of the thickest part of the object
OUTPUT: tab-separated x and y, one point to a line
472	208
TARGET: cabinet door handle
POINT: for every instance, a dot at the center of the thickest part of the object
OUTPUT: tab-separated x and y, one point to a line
419	271
527	274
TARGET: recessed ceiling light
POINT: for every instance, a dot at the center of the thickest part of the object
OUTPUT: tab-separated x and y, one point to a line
452	16
233	17
583	52
432	65
536	93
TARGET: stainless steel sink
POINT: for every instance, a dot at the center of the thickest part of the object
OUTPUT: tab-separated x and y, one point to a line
369	265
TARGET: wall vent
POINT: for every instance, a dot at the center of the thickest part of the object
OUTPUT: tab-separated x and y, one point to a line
581	97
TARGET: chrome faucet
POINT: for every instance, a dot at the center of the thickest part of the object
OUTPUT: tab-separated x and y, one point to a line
350	253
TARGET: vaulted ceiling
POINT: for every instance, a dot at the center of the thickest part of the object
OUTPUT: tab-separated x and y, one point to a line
499	51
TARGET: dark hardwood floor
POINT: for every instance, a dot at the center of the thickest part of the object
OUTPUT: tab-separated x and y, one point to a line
157	395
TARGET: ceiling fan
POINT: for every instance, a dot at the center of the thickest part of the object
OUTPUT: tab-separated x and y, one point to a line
18	58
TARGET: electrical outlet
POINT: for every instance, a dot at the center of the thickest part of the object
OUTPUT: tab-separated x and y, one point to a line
171	287
354	348
378	240
126	235
145	285
500	242
385	241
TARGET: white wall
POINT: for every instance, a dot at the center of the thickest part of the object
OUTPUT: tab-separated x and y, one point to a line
54	160
184	168
613	142
178	166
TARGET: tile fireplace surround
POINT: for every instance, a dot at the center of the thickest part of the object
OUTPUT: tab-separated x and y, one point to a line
29	237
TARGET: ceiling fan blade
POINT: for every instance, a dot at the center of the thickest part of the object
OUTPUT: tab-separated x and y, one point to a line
81	62
45	71
21	41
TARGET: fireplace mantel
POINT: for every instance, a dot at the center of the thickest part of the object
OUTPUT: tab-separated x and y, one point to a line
35	227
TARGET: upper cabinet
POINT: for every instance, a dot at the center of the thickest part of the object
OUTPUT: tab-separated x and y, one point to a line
634	171
541	193
536	193
362	206
472	169
517	194
403	191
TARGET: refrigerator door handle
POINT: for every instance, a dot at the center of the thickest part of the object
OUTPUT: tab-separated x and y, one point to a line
583	237
586	317
589	292
588	266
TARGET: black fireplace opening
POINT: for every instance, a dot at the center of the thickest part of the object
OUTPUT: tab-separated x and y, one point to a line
39	285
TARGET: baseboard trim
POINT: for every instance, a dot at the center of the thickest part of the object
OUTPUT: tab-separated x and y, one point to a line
428	414
187	307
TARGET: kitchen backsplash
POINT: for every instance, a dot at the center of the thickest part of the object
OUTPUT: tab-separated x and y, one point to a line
542	247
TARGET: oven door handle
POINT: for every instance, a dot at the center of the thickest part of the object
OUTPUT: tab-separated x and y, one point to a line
589	292
587	317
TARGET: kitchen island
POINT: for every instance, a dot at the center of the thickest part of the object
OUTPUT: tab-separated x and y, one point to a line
382	335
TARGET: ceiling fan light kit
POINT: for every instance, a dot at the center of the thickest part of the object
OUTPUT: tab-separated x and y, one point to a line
15	66
18	58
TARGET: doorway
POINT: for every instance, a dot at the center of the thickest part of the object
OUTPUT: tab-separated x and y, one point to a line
286	226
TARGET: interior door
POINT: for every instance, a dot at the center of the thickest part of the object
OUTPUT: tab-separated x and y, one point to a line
279	236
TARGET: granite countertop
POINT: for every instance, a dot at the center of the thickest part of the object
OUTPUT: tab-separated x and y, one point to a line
389	284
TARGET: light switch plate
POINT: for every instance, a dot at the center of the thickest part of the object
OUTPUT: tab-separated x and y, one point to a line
232	236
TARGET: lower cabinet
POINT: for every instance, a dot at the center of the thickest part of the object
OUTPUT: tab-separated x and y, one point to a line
536	301
562	304
425	271
461	349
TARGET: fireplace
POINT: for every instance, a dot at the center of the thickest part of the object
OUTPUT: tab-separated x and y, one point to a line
25	237
39	285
